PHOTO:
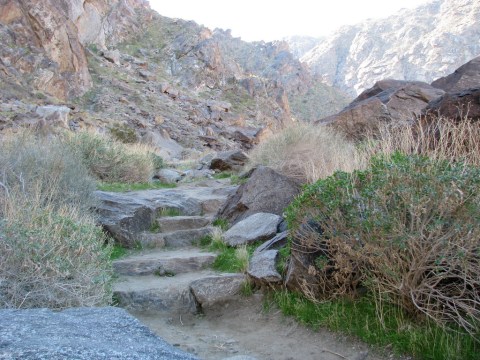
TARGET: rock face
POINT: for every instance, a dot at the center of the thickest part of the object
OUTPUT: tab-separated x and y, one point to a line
387	101
46	38
103	57
265	191
418	44
257	227
457	105
80	333
465	77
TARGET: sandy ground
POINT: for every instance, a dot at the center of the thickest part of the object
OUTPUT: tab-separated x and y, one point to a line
245	328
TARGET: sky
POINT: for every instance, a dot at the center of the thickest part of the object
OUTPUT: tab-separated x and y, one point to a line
268	20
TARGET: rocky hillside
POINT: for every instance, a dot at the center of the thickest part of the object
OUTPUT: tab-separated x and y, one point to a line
415	44
119	67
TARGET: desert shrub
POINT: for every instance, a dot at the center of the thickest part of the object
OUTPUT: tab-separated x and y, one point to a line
55	259
112	161
306	152
51	252
438	138
44	170
407	229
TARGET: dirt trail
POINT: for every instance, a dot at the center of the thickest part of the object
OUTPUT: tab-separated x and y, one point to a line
244	330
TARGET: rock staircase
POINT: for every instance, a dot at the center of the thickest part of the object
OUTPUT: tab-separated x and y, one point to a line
171	274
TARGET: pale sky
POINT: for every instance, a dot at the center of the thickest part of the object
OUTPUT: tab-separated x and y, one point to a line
254	20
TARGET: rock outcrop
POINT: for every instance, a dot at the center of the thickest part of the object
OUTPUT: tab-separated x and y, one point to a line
386	102
417	44
465	77
80	333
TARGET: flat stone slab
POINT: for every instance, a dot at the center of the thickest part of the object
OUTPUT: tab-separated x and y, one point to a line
257	227
182	238
80	334
174	223
162	262
156	293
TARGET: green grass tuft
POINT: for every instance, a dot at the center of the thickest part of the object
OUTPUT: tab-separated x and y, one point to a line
118	251
222	175
168	212
124	187
361	318
221	223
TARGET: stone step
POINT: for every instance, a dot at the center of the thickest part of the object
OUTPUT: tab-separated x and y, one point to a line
174	239
162	262
184	293
174	223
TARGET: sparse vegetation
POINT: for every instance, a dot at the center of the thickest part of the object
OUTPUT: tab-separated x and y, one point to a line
221	223
112	161
123	187
164	212
307	152
52	254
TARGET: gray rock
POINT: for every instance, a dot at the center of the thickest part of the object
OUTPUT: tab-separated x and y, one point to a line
127	215
147	75
257	227
169	176
216	290
265	191
195	174
113	56
80	333
174	223
241	357
262	267
279	241
189	237
164	263
229	160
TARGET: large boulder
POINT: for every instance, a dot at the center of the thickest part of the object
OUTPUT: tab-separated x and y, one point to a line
264	191
229	160
387	101
80	333
465	77
257	227
456	106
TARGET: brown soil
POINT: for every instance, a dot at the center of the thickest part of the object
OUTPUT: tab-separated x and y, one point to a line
245	331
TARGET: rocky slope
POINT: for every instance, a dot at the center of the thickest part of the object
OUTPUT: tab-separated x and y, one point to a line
119	67
419	44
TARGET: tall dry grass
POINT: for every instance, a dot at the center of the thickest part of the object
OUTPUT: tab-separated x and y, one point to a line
52	254
439	138
113	161
307	152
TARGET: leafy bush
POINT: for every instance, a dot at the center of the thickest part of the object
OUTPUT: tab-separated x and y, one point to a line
407	230
306	152
113	161
51	252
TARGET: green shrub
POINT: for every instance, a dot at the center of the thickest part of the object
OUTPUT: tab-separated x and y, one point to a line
112	161
124	134
407	230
